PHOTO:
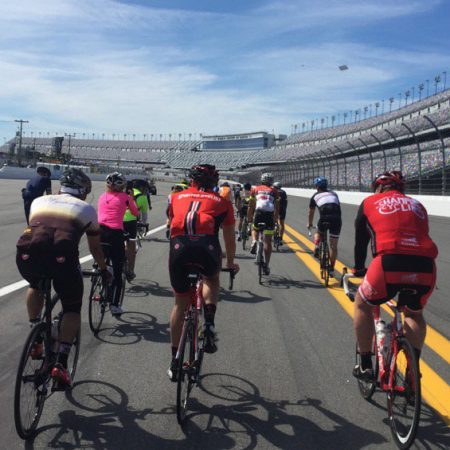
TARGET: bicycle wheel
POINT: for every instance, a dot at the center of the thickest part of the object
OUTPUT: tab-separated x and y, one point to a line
73	356
404	400
326	264
33	376
124	283
184	379
97	304
367	388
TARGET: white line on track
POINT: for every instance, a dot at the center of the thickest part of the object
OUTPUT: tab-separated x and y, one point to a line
21	284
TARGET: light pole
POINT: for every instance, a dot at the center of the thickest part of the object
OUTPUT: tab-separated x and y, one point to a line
428	87
399	100
407	94
377	105
70	136
437	80
421	86
19	151
445	79
413	93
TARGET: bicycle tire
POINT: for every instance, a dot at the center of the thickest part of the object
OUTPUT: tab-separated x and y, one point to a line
97	305
406	393
38	381
367	388
74	354
184	382
326	264
124	282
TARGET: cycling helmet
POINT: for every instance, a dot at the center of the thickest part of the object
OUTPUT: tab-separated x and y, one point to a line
76	182
204	175
277	185
321	183
393	179
140	184
177	188
247	186
41	170
116	180
267	178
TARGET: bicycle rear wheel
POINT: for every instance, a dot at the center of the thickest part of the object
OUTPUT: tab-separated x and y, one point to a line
326	264
404	400
97	304
73	356
31	388
124	283
184	377
367	388
260	260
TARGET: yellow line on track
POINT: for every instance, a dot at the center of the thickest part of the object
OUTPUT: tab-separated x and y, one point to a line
435	390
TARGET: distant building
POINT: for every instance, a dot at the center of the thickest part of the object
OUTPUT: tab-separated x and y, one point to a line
241	141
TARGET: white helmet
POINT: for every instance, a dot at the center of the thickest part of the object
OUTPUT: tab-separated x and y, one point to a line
267	178
116	180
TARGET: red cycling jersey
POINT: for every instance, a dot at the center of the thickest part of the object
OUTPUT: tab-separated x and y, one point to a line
396	224
195	212
265	197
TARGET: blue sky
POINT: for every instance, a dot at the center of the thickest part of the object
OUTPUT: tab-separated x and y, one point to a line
209	66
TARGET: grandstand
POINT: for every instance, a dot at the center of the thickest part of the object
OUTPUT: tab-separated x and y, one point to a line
414	139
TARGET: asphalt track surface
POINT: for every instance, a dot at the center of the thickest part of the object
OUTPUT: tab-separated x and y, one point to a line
281	378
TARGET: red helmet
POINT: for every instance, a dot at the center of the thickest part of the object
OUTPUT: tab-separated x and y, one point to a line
204	175
392	179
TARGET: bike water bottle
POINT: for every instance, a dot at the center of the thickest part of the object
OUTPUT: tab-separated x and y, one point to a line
380	330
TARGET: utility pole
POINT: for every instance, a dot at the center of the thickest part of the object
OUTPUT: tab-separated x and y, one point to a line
70	136
19	151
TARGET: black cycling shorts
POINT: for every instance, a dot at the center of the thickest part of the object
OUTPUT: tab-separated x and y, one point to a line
243	211
130	228
193	253
264	217
334	225
66	275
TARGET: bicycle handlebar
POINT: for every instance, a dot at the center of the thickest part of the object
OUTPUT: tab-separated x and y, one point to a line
344	283
309	230
232	273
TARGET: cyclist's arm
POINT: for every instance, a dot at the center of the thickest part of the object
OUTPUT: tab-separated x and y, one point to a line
362	238
251	209
230	243
276	211
311	216
95	248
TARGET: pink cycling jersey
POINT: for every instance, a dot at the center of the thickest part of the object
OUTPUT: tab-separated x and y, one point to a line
112	207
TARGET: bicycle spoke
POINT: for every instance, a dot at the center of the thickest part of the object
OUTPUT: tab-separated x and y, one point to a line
404	400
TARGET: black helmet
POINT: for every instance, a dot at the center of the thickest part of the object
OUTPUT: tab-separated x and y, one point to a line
205	175
140	184
44	171
76	182
247	186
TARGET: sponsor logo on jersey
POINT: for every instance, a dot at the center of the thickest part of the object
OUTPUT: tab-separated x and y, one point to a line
395	204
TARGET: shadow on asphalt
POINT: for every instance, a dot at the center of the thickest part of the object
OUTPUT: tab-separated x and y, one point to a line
279	282
133	327
239	410
241	296
145	288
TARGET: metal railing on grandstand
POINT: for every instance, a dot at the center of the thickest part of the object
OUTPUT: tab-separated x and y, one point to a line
423	160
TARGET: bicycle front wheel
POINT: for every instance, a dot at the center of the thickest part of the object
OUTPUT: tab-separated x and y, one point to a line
404	399
97	304
367	388
184	378
32	380
124	282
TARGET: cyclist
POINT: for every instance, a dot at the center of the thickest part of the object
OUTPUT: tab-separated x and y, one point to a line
112	205
283	208
237	196
245	195
330	212
175	188
263	208
197	215
138	192
49	248
37	186
225	191
403	262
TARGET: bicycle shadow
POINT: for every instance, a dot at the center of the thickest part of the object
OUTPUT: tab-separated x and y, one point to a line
103	419
280	282
245	296
146	288
133	327
239	408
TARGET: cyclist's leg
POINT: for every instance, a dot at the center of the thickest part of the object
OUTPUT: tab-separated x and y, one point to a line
267	245
281	229
35	303
335	230
117	259
131	229
182	300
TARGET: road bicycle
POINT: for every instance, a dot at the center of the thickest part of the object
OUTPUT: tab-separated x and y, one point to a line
396	372
260	258
324	254
142	230
190	351
277	237
33	381
245	233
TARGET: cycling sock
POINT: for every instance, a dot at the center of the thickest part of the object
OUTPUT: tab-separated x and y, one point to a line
366	361
210	312
63	353
174	352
